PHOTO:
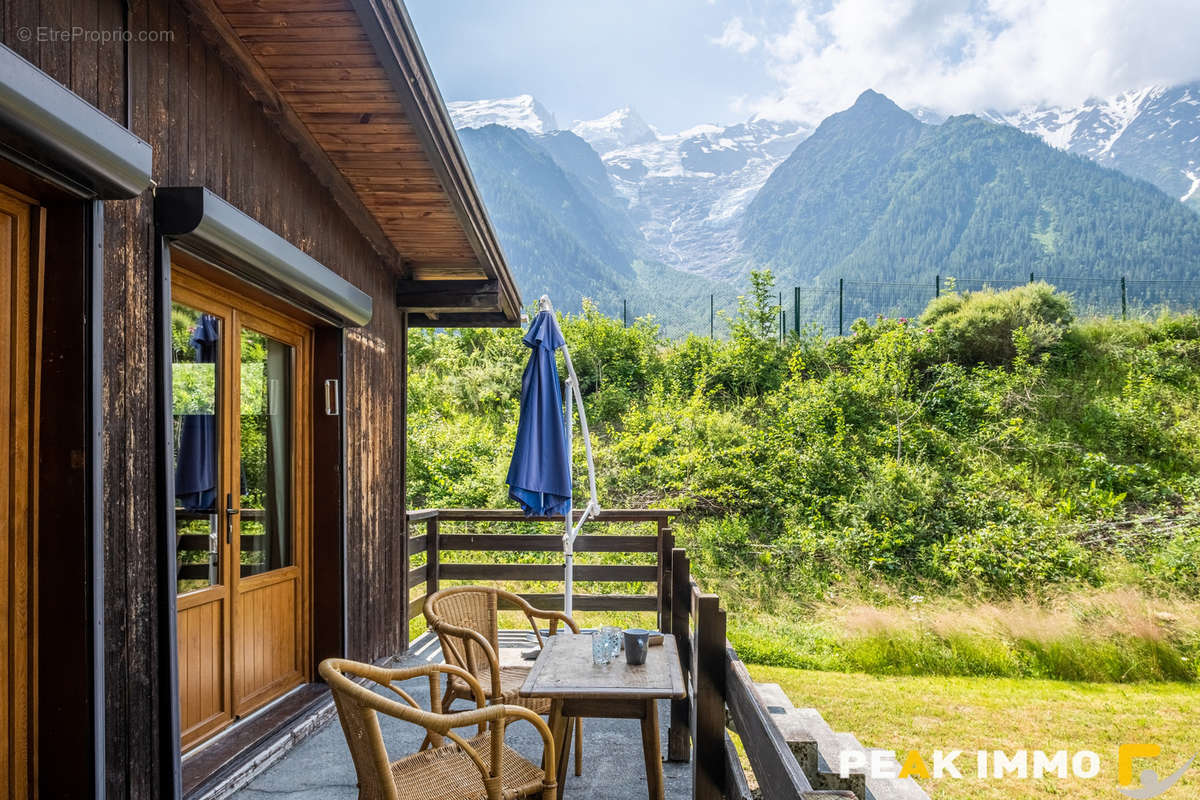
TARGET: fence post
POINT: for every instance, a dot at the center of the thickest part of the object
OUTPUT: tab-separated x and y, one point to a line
679	732
781	319
405	580
1031	277
712	316
666	547
1124	300
432	561
937	286
625	313
796	310
841	296
708	706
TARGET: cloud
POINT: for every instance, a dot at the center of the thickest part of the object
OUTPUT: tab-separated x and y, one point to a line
736	37
960	56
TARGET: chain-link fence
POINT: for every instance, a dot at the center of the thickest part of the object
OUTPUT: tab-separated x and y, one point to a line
832	307
707	315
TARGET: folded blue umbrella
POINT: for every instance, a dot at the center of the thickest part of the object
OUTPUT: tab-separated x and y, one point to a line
539	477
196	466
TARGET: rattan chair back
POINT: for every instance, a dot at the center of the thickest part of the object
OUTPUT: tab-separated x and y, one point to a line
489	760
467	623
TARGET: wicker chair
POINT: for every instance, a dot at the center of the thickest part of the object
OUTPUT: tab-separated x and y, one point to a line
479	768
466	621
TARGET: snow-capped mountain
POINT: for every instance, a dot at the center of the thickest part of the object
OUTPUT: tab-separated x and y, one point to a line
1151	133
930	116
522	112
614	209
620	128
686	191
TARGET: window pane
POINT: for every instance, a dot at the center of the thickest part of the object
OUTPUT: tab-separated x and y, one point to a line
266	453
195	345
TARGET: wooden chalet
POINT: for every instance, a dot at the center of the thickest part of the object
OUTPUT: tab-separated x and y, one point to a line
218	221
217	229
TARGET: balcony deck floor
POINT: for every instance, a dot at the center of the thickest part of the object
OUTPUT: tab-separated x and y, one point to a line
319	768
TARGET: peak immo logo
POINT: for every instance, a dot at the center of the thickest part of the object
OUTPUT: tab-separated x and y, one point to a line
1019	765
1151	784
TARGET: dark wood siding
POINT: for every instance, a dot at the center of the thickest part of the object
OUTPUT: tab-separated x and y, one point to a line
206	130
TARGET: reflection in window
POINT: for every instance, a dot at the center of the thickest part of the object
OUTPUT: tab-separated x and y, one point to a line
266	454
195	344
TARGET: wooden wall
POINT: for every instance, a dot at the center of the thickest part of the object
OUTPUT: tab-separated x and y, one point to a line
206	130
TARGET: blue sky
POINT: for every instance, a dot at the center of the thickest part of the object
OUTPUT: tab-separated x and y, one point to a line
685	62
582	58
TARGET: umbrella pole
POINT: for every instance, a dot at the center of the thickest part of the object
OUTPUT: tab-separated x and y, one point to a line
568	532
569	568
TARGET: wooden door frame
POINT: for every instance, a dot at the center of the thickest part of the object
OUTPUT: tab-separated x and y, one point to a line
19	407
71	545
69	595
242	310
329	505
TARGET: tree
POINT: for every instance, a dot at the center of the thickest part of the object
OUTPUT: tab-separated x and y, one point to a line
757	314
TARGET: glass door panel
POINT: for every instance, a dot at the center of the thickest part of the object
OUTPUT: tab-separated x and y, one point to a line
195	408
267	460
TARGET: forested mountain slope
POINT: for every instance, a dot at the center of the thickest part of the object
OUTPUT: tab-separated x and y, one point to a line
875	194
558	236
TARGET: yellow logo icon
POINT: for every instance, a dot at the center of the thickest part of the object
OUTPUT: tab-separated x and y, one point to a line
1151	785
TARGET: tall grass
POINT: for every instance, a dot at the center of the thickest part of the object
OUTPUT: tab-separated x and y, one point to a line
1117	636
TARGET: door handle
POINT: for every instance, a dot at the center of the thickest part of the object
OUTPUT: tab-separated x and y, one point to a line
229	512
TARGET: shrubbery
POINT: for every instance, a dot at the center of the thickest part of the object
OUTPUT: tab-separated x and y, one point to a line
996	447
989	326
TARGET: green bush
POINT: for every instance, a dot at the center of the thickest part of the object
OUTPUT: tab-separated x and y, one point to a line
1178	562
990	449
986	327
1007	558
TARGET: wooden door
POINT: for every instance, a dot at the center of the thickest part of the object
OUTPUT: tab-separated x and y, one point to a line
19	309
242	499
200	396
268	606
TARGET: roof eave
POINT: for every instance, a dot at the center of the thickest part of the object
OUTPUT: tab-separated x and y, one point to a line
391	33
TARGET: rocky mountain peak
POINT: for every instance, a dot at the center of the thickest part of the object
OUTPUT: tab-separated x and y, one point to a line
623	127
522	112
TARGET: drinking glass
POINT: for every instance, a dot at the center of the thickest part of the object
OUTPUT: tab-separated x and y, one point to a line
613	635
601	648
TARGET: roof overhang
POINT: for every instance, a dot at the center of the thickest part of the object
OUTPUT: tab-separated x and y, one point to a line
351	87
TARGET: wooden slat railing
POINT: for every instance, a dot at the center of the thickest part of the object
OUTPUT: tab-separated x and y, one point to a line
720	690
722	694
433	542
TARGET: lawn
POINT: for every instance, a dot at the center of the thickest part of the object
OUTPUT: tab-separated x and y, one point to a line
970	714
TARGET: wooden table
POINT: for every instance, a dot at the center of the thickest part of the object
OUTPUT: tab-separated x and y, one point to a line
564	672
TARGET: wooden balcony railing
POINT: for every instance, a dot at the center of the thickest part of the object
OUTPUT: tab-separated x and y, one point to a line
434	541
720	690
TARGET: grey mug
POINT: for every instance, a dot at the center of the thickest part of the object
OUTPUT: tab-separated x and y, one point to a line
637	642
